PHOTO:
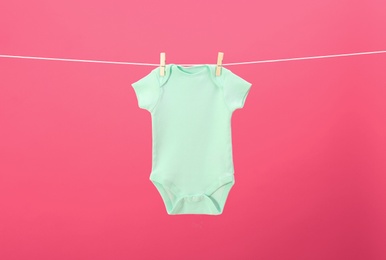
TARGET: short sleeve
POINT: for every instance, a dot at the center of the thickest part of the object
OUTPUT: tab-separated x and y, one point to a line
147	90
235	89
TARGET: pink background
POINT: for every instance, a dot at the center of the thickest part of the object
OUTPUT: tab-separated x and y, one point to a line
309	144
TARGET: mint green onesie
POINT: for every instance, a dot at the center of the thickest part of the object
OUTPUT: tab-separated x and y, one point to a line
191	110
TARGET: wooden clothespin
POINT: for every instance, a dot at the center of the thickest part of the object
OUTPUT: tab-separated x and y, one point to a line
162	64
219	63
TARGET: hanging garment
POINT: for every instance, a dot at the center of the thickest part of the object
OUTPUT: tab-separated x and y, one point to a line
191	110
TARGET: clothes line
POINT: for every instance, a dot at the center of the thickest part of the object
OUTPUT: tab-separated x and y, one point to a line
224	64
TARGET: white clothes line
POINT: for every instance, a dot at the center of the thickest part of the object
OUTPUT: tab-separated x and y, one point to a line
224	64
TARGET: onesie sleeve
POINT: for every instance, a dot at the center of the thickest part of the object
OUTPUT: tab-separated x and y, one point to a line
147	90
235	89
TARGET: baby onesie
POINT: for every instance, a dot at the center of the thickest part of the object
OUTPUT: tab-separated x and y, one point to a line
191	110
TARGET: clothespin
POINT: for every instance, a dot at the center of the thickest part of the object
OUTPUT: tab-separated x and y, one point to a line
219	63
162	64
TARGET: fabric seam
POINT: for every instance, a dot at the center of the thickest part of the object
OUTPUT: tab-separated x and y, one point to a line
223	91
159	91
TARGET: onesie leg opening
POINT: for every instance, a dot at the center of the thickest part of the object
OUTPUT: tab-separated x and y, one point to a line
168	197
218	193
